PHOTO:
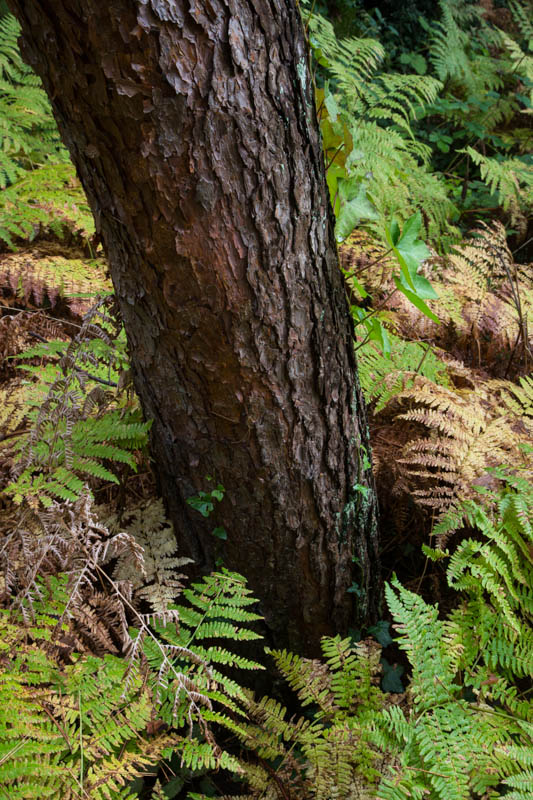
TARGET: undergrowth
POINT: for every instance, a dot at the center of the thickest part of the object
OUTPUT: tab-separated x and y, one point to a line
465	728
118	675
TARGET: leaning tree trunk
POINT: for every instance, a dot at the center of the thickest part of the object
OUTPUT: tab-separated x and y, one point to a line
192	126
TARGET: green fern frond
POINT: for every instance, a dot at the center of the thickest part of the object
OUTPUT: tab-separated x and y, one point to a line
378	144
76	426
49	197
64	729
384	378
448	48
28	133
521	12
465	739
422	637
510	179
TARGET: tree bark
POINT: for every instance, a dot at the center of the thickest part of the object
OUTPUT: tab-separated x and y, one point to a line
192	126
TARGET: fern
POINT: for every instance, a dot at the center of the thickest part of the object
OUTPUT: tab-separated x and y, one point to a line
33	162
160	583
449	47
464	438
485	303
366	128
522	17
469	731
384	378
71	729
98	721
49	198
327	755
39	278
353	64
510	179
218	608
72	435
28	133
518	400
522	64
38	186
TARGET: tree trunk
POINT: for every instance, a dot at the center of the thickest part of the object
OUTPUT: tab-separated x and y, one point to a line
193	129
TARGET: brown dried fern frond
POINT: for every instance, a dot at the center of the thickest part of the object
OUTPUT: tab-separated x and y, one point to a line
515	400
161	582
67	538
13	408
465	436
361	252
36	278
19	331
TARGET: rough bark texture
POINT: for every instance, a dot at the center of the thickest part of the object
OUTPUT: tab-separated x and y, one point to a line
192	126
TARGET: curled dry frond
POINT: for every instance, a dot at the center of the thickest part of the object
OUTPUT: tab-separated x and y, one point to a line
162	579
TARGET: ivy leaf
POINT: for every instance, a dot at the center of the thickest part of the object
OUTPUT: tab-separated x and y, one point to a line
415	300
391	678
355	207
331	105
380	632
202	503
218	493
409	250
378	333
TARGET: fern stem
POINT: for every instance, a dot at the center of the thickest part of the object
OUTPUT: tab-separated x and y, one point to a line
81	740
523	245
426	771
426	351
334	156
11	753
213	600
354	273
378	308
362	344
39	311
275	777
58	726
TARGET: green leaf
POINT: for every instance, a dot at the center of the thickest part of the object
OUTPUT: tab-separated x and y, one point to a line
335	171
355	589
218	493
409	249
356	206
391	678
393	233
419	286
201	503
415	300
331	105
380	632
378	333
